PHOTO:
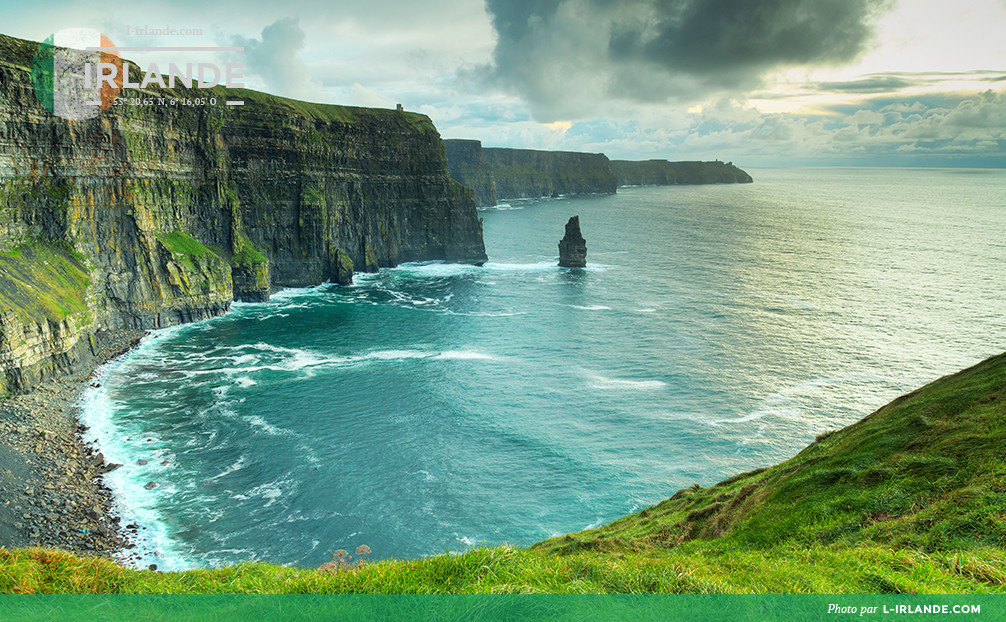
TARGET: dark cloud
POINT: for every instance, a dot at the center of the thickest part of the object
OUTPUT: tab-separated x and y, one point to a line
554	53
716	36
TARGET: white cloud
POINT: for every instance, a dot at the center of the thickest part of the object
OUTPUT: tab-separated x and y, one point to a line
275	58
369	98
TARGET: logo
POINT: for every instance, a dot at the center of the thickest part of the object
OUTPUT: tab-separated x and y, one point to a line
78	72
64	69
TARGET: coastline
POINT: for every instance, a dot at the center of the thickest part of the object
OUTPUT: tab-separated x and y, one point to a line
51	492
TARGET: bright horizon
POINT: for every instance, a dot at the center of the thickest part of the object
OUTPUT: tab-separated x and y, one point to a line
767	83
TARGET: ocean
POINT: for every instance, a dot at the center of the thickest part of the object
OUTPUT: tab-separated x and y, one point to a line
433	407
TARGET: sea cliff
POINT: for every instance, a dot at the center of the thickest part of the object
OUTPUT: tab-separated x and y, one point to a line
149	216
529	173
497	174
664	173
468	167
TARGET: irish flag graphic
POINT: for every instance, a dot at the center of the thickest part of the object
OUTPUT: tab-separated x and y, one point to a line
65	73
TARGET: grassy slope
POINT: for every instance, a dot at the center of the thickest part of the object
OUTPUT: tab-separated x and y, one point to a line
910	499
38	281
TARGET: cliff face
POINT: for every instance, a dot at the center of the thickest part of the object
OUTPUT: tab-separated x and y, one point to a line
527	173
496	173
148	216
467	166
663	173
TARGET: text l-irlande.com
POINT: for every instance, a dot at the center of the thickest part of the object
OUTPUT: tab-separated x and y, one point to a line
904	609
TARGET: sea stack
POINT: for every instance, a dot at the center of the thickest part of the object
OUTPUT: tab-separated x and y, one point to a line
572	247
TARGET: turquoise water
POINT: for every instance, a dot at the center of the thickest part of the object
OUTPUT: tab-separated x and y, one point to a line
434	407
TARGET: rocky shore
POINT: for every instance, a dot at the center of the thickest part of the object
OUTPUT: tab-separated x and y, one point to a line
51	494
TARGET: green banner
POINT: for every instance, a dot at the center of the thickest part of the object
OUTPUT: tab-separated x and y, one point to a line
260	608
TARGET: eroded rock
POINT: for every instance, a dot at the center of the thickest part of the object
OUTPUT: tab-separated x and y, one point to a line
572	247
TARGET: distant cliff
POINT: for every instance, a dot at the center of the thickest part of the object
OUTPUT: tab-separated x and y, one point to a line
527	173
149	216
467	166
663	173
496	173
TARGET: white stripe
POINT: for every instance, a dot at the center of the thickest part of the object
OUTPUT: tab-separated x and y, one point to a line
77	38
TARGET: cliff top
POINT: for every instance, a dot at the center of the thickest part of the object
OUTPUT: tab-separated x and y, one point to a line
909	499
571	153
21	52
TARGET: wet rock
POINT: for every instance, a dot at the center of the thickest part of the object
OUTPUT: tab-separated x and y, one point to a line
342	267
150	485
58	497
572	247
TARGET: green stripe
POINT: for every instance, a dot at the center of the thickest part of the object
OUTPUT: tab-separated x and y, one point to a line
42	73
246	608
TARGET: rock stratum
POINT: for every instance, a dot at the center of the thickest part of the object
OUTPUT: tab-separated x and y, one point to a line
150	216
497	174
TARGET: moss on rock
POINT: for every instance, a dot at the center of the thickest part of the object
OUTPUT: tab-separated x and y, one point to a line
250	273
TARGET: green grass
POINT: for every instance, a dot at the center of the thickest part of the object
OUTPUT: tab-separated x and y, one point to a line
39	281
248	255
910	499
181	243
330	113
187	250
200	269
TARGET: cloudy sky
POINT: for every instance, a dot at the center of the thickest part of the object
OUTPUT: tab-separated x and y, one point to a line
758	82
